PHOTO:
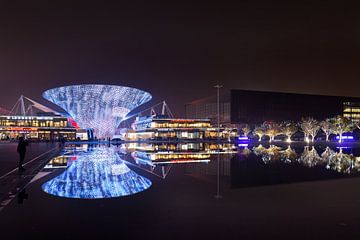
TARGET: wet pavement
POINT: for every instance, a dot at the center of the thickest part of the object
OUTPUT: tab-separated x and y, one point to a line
182	206
9	158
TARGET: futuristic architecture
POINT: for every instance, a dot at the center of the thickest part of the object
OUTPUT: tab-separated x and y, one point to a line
96	173
100	107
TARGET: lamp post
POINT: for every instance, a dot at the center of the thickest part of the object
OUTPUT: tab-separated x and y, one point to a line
218	196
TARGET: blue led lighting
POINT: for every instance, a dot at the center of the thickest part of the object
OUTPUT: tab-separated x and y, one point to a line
345	137
243	138
99	173
101	107
243	145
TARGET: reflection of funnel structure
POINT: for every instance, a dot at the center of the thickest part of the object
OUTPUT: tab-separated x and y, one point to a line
97	174
101	107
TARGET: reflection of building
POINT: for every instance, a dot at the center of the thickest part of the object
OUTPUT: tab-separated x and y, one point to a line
59	162
178	152
164	128
100	107
243	106
36	127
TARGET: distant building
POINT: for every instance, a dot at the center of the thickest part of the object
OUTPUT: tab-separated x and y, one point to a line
36	127
244	106
35	121
166	128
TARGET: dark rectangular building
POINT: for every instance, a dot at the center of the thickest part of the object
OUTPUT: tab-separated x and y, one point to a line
244	106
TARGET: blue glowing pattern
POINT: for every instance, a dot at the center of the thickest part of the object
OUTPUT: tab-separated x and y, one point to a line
101	107
98	173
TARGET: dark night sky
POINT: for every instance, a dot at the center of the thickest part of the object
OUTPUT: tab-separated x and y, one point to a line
179	51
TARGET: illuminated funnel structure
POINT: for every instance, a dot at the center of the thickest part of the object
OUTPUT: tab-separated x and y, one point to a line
101	107
97	174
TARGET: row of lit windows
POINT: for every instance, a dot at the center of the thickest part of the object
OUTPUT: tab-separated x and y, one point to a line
179	134
181	125
356	110
180	156
356	115
32	123
185	134
41	135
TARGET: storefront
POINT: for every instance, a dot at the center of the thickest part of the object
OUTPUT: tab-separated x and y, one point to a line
37	128
162	128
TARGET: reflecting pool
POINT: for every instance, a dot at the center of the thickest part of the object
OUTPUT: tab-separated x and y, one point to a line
107	171
257	165
95	173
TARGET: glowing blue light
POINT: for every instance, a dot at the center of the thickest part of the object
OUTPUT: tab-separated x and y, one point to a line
243	138
243	145
345	137
101	107
100	173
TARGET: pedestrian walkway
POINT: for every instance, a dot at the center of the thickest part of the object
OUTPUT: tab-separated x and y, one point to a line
13	181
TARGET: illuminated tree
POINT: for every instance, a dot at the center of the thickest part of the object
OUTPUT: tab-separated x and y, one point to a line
327	127
342	125
288	128
310	127
272	129
246	129
260	131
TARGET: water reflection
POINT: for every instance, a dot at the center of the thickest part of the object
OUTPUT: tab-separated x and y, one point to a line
98	171
308	156
90	171
94	173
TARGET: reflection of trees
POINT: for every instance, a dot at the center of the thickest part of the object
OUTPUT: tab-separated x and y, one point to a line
326	155
338	161
245	152
310	157
274	153
268	154
288	155
342	162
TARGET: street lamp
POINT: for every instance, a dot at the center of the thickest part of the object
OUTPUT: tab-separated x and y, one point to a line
218	196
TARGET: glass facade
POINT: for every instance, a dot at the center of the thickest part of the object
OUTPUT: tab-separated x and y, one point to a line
158	128
352	111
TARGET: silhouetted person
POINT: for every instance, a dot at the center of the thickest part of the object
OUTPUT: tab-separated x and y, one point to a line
21	149
22	196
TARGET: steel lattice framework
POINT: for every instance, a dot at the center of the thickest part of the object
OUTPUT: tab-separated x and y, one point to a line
101	107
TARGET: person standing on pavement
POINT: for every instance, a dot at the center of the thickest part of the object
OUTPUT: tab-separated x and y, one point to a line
21	149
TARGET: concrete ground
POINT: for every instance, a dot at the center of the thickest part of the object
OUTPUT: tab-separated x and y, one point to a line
183	206
9	158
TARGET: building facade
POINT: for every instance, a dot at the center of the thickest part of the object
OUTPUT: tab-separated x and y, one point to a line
253	107
41	128
165	128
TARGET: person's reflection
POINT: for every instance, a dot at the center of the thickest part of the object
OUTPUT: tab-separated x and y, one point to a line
21	196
